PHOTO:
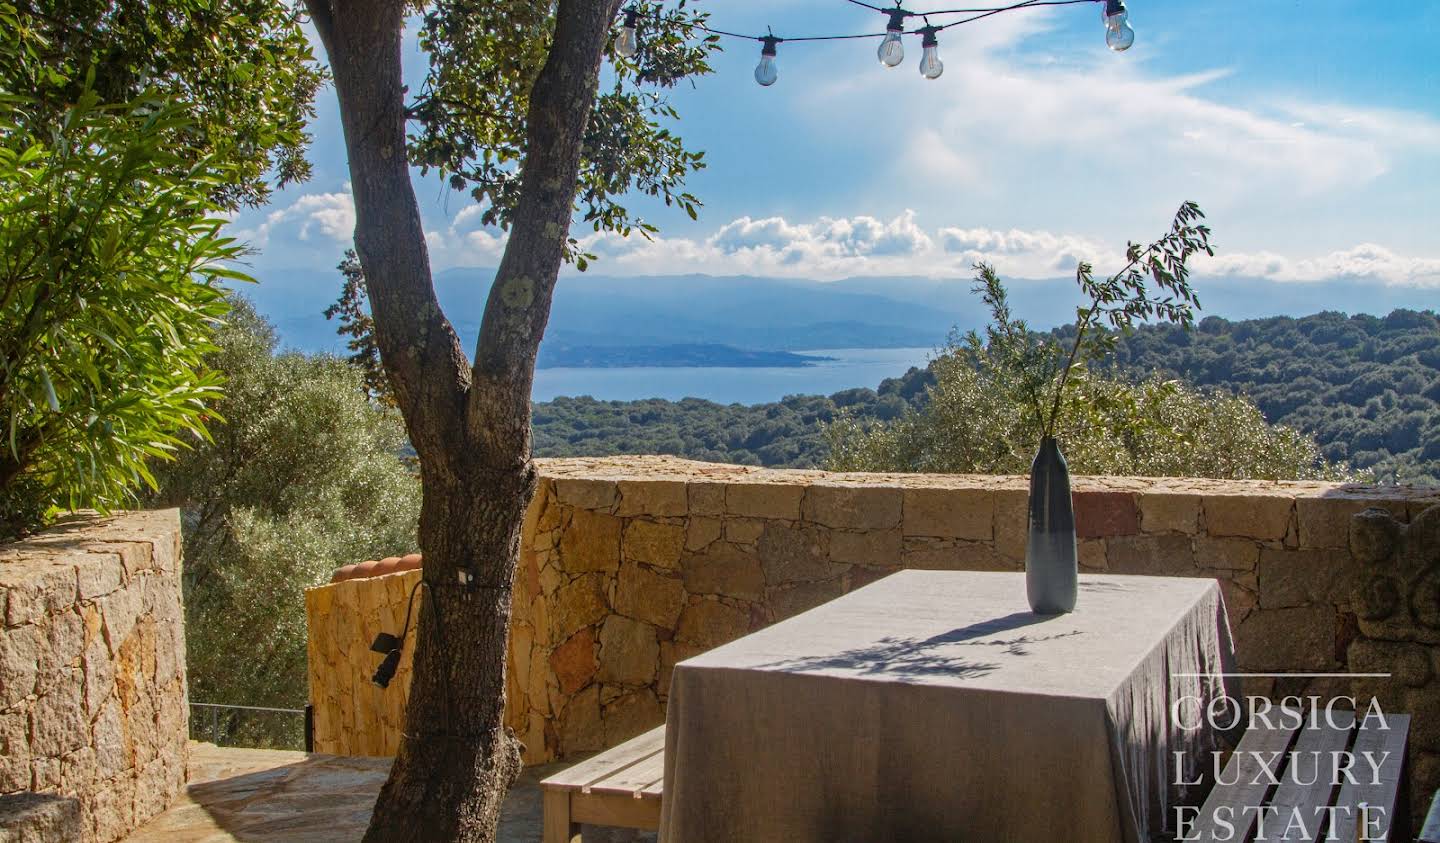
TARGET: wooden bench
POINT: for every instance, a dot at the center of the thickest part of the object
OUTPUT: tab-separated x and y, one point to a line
1247	794
618	787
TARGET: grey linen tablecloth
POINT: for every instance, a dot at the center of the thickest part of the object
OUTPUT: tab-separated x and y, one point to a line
933	705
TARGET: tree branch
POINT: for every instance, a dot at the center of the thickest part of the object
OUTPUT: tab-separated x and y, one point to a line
518	307
418	346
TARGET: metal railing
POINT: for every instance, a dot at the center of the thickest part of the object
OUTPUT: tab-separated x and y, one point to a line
213	712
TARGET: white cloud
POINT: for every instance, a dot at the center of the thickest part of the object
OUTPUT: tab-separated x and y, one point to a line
1114	128
309	217
1366	262
828	248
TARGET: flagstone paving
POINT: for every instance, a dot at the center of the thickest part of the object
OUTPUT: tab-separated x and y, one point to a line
269	796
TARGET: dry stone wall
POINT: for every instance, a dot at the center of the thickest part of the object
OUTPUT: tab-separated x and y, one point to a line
93	724
1397	605
631	564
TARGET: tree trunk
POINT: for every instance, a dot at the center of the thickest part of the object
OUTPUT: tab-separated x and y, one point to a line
469	426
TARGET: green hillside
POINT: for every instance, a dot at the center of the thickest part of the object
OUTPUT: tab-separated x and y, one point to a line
1367	388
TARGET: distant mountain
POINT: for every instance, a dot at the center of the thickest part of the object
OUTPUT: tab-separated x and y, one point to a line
769	314
690	355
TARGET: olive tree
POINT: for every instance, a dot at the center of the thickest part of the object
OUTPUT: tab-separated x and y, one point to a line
304	474
511	111
996	393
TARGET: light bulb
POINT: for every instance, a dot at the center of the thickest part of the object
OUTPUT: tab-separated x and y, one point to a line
626	44
891	51
930	65
1119	38
766	72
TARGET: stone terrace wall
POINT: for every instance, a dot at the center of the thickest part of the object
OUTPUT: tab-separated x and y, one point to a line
631	564
92	677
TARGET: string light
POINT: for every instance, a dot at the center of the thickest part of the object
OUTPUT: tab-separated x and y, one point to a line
892	50
765	72
1119	35
628	44
930	65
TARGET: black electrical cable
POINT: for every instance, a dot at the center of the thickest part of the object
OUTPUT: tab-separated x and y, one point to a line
409	607
440	642
978	14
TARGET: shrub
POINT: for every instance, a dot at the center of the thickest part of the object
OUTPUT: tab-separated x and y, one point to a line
109	295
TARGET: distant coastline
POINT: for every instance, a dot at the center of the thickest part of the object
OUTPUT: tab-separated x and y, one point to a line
698	355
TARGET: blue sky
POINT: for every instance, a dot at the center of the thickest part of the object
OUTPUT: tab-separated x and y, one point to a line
1308	131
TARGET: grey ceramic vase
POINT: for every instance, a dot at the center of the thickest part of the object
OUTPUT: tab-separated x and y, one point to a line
1052	573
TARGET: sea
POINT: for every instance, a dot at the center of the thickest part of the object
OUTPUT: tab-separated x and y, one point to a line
847	368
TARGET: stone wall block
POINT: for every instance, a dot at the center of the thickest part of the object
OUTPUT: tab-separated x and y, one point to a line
744	530
578	604
706	498
1162	512
1012	522
860	576
790	600
580	726
100	574
955	555
77	770
1102	514
795	553
1226	554
950	513
1092	555
547	510
99	672
764	500
58	723
20	650
574	662
61	654
883	548
646	595
653	543
700	531
108	736
724	569
1324	522
1262	517
629	651
845	506
631	714
1306	577
121	610
1287	640
1157	553
591	543
587	493
709	623
14	751
653	498
36	587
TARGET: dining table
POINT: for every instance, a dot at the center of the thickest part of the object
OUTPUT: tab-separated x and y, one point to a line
934	705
